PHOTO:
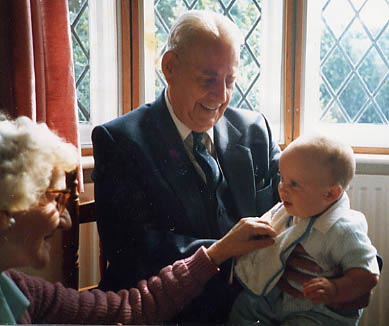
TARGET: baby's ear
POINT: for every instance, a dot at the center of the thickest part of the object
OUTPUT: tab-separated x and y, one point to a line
334	192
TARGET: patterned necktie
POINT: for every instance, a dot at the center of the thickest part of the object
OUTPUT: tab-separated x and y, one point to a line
206	161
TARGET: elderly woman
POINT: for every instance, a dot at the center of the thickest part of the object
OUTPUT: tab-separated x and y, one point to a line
33	162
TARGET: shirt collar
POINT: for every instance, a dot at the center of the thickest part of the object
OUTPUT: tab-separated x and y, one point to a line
13	303
325	221
183	130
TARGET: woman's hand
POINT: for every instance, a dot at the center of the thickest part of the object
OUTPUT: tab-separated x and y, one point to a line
248	234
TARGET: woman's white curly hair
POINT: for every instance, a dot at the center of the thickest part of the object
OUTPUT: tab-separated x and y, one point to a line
29	152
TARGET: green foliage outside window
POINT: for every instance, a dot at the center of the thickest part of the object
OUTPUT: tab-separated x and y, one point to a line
354	68
79	20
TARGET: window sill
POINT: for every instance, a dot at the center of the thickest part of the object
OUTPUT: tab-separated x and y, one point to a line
87	162
372	164
366	163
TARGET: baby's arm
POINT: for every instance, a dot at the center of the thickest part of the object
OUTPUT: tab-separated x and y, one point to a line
353	284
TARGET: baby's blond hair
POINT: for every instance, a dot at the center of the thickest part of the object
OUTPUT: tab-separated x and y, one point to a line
331	153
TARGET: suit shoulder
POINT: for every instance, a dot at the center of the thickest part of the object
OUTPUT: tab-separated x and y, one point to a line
131	124
138	119
248	122
244	117
129	119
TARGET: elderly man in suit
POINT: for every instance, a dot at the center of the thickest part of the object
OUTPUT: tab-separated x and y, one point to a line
178	173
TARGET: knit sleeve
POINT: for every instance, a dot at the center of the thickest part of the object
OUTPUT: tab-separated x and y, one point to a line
157	299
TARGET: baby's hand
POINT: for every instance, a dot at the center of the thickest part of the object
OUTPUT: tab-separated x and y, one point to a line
320	290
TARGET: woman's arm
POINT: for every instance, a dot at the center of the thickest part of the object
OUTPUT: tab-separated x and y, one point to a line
157	299
154	300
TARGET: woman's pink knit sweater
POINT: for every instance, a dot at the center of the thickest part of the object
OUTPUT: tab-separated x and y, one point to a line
153	301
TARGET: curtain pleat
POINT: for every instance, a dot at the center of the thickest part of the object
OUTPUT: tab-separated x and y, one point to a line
22	60
38	60
37	75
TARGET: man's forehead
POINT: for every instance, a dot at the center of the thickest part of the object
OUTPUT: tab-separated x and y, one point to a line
215	72
208	68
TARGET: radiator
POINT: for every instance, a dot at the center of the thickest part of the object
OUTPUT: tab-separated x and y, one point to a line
370	195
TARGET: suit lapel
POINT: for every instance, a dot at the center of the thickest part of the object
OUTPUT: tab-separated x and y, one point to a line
237	165
176	167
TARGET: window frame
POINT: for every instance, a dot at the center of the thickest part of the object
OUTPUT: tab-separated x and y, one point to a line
295	32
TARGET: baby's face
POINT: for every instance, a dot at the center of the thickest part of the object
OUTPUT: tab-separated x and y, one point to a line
304	186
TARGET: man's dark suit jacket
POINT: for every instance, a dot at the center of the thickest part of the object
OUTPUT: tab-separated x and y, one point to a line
149	207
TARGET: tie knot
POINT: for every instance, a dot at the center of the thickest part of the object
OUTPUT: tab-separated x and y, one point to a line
197	138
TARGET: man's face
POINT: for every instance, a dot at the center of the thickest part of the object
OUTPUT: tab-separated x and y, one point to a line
201	82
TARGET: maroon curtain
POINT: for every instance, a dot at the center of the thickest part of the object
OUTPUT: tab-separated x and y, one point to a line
36	65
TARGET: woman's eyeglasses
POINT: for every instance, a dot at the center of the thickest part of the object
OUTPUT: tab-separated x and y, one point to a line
62	197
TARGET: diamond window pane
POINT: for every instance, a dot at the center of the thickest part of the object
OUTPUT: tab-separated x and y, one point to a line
327	43
383	41
355	42
374	15
215	6
348	47
370	115
325	96
357	3
373	69
330	14
79	58
354	61
382	99
74	8
235	98
334	115
335	69
353	97
79	20
249	69
254	95
226	2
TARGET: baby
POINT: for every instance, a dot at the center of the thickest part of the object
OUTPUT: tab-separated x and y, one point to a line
315	213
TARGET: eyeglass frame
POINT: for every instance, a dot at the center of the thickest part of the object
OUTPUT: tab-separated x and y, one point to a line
62	198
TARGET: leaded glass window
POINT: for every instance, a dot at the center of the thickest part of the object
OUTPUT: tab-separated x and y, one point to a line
79	20
352	52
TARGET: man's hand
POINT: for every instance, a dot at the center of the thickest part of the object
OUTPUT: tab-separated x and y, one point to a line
248	234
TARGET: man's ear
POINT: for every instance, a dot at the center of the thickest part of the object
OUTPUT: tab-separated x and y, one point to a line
334	192
168	65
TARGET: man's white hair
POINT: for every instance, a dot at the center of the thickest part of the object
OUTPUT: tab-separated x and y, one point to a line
187	27
29	152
